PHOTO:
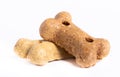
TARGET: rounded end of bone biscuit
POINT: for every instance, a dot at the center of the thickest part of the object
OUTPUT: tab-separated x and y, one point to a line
86	60
104	48
64	16
44	52
48	28
37	55
21	47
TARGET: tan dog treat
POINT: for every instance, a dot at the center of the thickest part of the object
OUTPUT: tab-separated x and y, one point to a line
23	46
40	52
86	49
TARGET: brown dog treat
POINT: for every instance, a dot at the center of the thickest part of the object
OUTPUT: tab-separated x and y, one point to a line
40	52
86	49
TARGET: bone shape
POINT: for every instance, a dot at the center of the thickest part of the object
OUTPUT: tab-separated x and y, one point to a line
40	52
86	49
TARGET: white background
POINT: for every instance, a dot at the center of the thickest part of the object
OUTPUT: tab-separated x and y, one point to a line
22	18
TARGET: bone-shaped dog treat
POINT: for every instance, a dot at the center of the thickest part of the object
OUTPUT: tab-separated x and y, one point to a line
86	49
40	52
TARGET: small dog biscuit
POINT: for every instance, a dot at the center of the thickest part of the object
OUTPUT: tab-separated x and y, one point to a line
86	49
40	52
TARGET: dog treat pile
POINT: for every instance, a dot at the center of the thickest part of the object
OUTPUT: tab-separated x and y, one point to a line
63	40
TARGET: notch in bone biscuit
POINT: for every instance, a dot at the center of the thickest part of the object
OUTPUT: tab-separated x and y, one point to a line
40	52
86	49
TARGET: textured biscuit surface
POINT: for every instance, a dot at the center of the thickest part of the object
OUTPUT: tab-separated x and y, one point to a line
23	45
86	49
40	52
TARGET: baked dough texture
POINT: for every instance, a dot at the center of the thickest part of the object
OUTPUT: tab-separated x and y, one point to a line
40	52
63	32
